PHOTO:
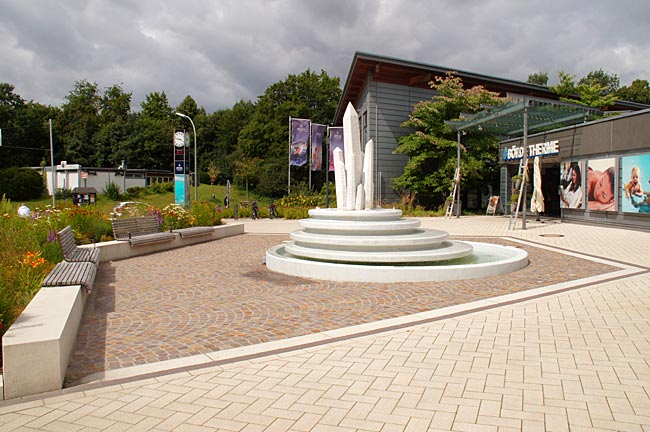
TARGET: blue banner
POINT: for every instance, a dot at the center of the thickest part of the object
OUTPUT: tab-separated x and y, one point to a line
299	140
317	133
336	141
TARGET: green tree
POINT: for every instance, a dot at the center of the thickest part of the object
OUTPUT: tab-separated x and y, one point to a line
308	95
432	147
607	82
540	78
638	91
247	169
115	139
591	90
25	132
79	123
155	132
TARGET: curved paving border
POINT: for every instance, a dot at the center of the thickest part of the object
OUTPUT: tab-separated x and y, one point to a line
217	296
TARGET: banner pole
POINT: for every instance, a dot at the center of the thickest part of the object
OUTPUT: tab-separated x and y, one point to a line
327	170
311	131
289	173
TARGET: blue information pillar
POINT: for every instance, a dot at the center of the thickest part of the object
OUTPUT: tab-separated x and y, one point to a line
181	169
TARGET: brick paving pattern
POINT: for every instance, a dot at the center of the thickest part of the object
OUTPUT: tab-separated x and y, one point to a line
218	295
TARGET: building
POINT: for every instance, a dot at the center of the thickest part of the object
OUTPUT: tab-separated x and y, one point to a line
384	90
583	152
70	176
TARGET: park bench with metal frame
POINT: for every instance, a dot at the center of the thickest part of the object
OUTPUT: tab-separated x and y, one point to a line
72	273
194	231
140	230
73	253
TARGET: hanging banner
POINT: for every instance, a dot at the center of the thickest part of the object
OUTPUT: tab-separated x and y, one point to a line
317	133
299	139
336	141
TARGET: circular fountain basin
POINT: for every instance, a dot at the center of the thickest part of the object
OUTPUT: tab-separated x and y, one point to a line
486	260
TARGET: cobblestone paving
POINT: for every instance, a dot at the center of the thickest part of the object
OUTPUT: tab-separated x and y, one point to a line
218	295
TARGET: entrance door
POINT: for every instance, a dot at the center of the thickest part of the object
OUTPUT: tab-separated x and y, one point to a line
550	187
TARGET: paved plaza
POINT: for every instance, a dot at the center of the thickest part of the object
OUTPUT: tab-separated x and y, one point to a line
205	338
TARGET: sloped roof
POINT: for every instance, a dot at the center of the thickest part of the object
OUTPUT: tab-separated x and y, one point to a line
414	74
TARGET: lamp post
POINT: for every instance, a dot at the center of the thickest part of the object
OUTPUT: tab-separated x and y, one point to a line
196	169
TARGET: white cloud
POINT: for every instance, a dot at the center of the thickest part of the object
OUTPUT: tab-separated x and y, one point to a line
225	51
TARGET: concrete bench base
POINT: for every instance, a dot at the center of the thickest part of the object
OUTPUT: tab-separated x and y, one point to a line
37	347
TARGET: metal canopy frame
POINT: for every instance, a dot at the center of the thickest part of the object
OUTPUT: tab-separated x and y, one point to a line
508	120
521	115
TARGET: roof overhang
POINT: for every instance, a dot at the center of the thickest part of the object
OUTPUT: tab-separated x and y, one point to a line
522	115
413	74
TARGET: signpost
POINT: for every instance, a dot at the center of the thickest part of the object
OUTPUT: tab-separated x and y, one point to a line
181	177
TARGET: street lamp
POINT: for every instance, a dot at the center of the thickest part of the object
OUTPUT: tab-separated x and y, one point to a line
196	169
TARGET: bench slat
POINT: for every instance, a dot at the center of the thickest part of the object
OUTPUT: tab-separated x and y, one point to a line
71	273
194	231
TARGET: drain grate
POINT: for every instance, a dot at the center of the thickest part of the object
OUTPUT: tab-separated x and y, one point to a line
551	235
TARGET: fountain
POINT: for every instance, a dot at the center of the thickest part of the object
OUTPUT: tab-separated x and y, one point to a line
359	243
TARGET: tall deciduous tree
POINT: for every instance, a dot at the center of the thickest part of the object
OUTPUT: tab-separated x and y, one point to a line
593	90
155	131
638	91
432	148
309	95
79	123
540	78
115	140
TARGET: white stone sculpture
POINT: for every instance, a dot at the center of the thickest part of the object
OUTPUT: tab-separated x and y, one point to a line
358	187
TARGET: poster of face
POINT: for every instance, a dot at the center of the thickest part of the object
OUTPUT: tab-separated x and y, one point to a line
635	183
601	183
572	194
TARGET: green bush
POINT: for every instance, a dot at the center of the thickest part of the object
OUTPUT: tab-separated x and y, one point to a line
112	191
205	214
21	184
161	188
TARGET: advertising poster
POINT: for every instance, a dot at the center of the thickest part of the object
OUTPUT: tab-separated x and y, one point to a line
601	184
635	184
317	133
572	194
299	139
336	141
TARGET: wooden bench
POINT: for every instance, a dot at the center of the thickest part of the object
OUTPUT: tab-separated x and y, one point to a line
73	253
72	273
194	231
140	230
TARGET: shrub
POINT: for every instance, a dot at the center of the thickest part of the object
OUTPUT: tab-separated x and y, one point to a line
161	188
111	191
205	214
20	184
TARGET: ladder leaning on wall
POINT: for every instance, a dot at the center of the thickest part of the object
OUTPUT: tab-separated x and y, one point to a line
523	174
452	195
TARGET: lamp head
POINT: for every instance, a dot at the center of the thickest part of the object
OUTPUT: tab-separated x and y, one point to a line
180	114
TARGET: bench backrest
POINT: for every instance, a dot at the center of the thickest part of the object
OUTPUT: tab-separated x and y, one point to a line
66	240
124	228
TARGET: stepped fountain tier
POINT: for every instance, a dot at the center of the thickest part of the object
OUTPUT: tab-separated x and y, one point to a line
356	242
378	245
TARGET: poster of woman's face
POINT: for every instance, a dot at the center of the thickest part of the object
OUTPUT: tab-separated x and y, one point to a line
571	191
635	184
601	182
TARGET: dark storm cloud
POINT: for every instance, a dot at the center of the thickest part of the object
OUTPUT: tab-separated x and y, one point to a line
220	52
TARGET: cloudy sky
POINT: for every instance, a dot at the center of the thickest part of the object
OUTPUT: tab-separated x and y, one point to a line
222	51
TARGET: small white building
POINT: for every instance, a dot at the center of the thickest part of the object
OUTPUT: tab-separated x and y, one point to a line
70	176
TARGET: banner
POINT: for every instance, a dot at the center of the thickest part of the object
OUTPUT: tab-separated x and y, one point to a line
299	139
635	187
317	133
336	141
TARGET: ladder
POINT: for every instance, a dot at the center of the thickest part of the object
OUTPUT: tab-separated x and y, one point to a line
452	195
523	173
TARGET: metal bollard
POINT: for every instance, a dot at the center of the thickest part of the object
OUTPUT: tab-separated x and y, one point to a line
235	211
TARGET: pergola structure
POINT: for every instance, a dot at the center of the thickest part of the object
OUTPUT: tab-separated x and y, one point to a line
518	117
